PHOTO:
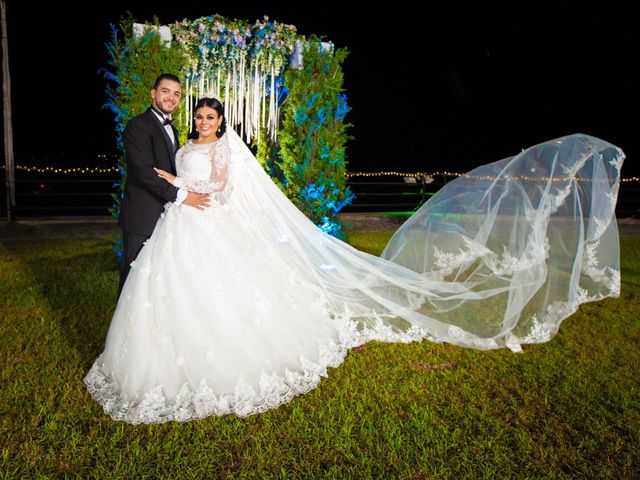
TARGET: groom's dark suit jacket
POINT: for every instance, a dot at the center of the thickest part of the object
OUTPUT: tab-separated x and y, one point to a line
147	145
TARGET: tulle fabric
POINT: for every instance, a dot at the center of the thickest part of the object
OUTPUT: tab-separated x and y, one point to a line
241	307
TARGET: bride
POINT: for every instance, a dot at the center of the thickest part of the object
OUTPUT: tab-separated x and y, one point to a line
240	307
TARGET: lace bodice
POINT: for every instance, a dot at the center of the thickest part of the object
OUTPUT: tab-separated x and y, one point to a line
203	167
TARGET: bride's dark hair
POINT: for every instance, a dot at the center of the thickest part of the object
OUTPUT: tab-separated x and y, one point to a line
217	106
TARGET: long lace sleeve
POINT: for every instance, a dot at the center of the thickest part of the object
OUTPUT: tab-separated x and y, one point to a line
217	182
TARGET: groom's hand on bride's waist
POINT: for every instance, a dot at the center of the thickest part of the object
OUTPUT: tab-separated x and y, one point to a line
197	200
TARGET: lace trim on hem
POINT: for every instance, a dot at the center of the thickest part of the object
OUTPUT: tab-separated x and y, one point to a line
276	390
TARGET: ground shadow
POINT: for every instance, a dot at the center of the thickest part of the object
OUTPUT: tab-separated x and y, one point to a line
78	281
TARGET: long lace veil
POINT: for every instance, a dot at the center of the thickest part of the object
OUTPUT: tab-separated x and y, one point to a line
498	257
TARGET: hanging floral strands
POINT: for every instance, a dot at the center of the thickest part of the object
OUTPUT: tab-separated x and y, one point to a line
239	64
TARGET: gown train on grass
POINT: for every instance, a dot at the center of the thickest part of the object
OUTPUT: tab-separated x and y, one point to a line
238	308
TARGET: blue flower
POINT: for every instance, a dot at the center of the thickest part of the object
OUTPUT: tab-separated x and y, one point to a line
321	116
331	227
324	152
118	249
342	108
313	192
312	100
300	116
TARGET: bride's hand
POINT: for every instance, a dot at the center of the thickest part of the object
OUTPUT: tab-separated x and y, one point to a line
166	175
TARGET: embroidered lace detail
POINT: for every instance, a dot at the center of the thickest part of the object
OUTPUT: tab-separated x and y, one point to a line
218	154
505	264
600	226
613	198
190	404
273	389
448	262
561	194
543	330
454	331
617	162
557	200
415	300
539	332
614	285
607	276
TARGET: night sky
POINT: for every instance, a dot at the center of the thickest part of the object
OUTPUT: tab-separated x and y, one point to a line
450	89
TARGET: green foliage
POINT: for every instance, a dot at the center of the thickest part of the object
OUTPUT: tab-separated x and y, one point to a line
137	63
565	409
267	156
313	136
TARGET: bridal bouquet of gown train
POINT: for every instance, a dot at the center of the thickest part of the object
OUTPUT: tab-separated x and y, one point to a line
238	308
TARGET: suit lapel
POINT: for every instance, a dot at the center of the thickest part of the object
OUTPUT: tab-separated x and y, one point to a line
171	148
177	137
175	147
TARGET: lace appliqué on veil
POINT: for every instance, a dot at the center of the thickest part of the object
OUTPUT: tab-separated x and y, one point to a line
543	329
505	264
606	276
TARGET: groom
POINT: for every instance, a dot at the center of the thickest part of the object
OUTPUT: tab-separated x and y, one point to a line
151	140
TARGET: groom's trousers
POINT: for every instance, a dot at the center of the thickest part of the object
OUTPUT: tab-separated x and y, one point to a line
131	246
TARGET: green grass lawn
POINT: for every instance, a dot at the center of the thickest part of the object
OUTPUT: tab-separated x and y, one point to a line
565	409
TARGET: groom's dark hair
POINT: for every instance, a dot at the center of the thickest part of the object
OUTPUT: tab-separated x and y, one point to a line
165	76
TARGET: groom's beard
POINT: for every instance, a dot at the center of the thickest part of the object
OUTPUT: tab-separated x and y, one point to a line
165	110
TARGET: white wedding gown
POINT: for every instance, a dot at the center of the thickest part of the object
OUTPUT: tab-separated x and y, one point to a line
238	308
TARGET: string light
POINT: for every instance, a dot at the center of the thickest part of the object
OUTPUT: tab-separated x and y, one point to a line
401	174
69	170
458	174
90	170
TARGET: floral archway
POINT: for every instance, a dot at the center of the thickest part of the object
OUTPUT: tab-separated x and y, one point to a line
241	64
283	93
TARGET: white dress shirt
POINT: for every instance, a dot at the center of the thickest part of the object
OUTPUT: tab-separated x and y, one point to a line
182	193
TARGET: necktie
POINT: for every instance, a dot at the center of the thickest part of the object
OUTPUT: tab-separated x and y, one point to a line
168	121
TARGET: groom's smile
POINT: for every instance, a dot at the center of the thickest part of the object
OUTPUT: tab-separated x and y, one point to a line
166	96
